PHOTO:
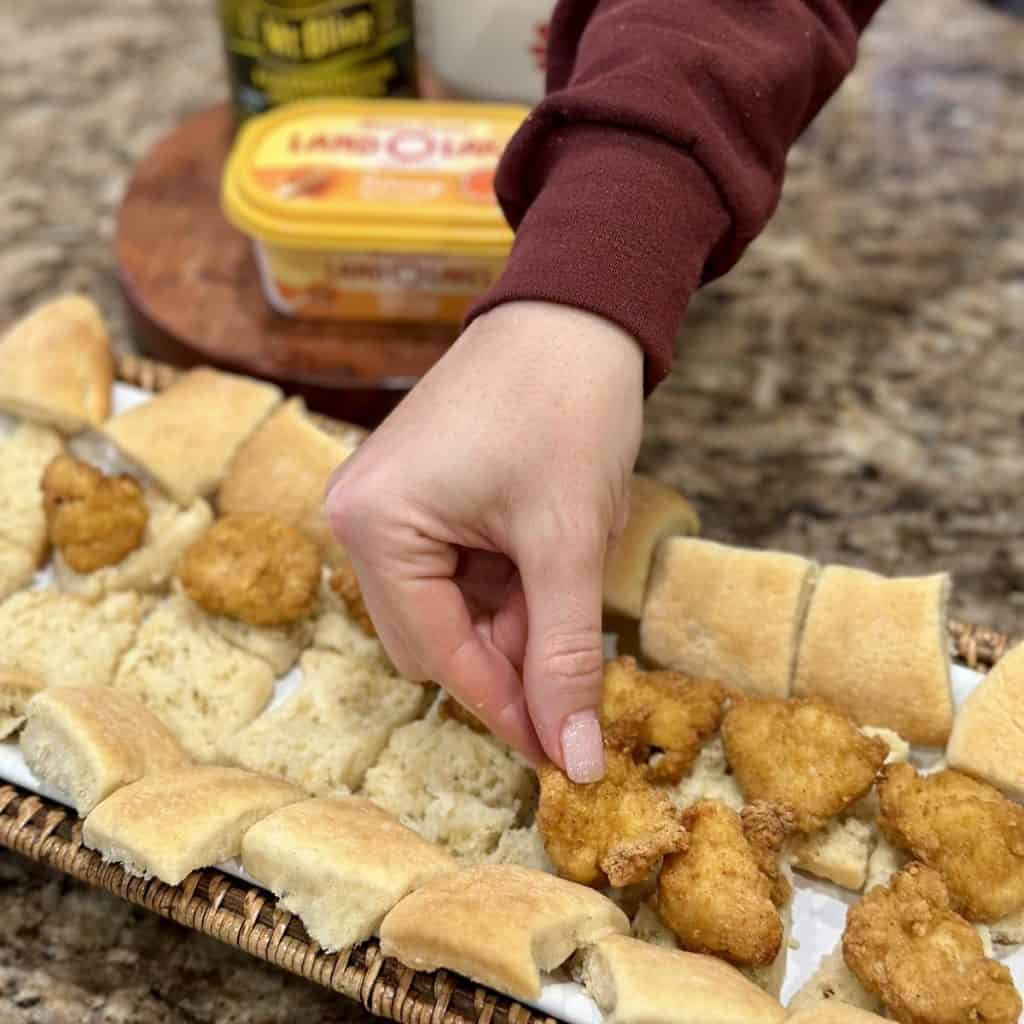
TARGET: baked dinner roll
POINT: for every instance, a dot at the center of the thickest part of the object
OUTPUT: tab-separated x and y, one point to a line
338	629
839	852
456	787
65	641
17	688
525	847
340	864
634	982
499	925
282	471
877	649
24	455
185	437
204	689
833	983
656	511
986	738
17	567
710	778
728	614
87	741
173	823
56	366
326	733
885	861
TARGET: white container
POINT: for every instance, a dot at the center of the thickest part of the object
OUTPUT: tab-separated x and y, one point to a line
490	50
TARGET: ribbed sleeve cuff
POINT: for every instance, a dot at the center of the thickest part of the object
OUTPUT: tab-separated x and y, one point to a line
615	222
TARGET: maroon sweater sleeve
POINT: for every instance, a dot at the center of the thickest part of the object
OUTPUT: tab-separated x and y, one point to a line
658	154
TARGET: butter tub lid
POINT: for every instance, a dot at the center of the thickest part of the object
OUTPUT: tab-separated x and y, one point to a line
371	174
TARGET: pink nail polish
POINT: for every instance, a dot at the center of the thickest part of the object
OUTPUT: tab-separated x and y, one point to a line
582	748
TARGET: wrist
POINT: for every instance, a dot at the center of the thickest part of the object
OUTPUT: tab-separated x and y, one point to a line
568	333
616	222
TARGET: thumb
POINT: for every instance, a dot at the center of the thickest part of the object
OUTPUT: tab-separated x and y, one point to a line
564	663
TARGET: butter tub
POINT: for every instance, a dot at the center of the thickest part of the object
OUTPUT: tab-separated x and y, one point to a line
373	210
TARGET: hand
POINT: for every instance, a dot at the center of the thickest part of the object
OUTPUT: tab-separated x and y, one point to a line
478	514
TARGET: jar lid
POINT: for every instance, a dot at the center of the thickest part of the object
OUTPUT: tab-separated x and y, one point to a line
387	175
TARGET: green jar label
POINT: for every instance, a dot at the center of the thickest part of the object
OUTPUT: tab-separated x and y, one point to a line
284	51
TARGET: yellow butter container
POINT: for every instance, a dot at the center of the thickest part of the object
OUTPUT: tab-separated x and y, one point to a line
373	209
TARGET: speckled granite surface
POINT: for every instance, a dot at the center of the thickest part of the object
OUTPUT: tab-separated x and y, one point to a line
853	390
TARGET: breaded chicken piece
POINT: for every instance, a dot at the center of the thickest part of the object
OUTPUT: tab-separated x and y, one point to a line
905	944
804	754
92	519
615	830
662	710
253	568
767	827
345	584
721	895
967	830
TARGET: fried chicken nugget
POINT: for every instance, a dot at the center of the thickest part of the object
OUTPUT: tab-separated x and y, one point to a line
663	710
615	829
92	519
967	830
925	962
254	568
721	895
345	584
767	827
801	753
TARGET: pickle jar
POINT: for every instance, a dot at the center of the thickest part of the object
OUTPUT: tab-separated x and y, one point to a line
286	50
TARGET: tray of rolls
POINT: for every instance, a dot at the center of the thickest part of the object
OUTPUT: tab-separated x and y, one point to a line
810	808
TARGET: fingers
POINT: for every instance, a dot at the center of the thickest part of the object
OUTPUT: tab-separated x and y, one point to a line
485	578
467	661
490	583
564	653
428	632
509	626
531	666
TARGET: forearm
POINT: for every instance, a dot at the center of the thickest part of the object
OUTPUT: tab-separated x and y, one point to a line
658	155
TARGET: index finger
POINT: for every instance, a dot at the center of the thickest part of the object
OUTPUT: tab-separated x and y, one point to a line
434	622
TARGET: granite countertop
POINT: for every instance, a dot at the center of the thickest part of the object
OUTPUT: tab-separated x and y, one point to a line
851	391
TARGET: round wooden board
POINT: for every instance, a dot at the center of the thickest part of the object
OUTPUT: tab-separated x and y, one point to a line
191	284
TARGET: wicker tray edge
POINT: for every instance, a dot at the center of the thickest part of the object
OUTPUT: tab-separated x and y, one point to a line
249	919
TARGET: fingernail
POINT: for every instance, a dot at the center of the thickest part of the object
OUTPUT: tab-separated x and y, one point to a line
582	748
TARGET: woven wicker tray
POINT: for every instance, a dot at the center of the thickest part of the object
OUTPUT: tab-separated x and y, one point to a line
248	918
